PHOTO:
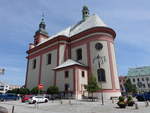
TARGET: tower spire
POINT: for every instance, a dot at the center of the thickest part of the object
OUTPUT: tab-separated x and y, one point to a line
41	33
85	12
42	26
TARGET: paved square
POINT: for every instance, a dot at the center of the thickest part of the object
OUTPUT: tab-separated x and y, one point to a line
75	107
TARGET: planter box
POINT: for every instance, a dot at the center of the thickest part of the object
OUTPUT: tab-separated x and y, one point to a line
131	103
122	105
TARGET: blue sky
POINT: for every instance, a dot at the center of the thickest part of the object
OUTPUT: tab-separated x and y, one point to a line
19	19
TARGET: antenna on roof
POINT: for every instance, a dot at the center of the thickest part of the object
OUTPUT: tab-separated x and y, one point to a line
43	15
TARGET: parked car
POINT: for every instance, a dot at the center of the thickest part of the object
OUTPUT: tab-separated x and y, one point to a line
37	99
8	96
26	98
143	97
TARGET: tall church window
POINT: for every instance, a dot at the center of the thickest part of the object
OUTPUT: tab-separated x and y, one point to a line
83	74
66	74
34	64
49	57
101	75
79	54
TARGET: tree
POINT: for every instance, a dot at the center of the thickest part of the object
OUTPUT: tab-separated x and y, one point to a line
52	90
130	88
35	90
92	86
24	91
15	91
19	91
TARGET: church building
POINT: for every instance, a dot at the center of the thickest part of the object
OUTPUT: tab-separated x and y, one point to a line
69	58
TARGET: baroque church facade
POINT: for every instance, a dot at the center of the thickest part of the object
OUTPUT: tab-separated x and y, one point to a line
69	58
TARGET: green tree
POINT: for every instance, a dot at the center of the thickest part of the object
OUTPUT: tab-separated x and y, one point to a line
15	91
24	91
92	86
52	90
35	90
130	88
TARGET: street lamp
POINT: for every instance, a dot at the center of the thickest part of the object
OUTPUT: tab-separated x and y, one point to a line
139	85
100	60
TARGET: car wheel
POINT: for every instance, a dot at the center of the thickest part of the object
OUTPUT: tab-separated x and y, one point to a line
46	101
2	100
34	101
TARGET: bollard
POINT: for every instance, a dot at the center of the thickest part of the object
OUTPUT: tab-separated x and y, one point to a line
136	106
13	109
146	104
70	102
35	105
61	102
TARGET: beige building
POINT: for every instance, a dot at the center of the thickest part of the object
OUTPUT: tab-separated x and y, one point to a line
3	87
140	77
70	57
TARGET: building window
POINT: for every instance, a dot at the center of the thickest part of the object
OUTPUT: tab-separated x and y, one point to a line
34	63
142	79
49	56
138	79
66	87
83	74
79	54
133	80
66	74
101	75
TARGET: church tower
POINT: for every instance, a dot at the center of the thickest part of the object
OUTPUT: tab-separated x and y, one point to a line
41	33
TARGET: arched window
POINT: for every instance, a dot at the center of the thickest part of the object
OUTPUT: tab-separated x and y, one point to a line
101	75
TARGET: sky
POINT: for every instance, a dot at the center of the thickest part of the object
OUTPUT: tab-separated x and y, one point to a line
19	19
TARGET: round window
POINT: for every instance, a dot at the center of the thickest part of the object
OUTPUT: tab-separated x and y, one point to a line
98	46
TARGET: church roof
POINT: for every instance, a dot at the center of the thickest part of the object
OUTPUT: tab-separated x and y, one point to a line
91	22
67	63
140	71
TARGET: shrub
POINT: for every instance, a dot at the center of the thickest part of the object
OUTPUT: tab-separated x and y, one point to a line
53	90
130	101
121	99
121	103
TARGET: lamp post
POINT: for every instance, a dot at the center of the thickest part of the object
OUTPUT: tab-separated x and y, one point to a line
100	60
139	85
147	79
69	95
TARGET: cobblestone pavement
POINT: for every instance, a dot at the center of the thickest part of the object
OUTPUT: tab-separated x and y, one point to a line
74	107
